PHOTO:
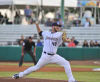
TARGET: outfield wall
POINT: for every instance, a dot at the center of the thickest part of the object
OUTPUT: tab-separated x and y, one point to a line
13	53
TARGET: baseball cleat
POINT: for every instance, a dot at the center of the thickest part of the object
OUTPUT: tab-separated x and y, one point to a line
16	76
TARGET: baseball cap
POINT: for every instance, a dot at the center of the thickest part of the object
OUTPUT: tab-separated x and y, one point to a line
30	37
55	24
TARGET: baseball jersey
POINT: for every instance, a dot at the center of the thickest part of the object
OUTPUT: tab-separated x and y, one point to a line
51	41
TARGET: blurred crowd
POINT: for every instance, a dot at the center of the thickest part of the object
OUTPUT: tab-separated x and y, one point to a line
91	44
72	20
18	18
72	44
71	17
4	19
28	18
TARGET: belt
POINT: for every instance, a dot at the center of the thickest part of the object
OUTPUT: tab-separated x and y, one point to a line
48	53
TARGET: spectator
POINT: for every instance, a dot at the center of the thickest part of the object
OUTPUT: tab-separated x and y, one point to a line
39	43
21	40
91	43
75	41
33	18
54	20
99	20
96	44
6	20
58	15
85	44
77	23
28	13
1	18
87	23
48	22
60	22
71	43
17	19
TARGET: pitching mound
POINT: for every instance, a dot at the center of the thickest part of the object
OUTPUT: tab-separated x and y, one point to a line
28	80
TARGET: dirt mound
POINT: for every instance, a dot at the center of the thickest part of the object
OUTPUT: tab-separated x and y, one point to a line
29	80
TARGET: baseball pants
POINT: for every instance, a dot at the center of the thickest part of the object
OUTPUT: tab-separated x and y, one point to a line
46	59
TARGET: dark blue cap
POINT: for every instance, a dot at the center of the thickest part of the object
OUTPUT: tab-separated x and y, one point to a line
56	24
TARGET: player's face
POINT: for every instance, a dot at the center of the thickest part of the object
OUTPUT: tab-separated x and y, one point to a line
55	28
30	40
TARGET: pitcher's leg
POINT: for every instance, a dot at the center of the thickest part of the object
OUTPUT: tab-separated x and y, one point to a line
29	70
61	61
68	71
43	61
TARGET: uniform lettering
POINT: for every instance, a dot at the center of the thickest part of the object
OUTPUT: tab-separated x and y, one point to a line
51	38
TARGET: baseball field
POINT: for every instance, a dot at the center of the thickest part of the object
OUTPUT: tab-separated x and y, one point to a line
82	70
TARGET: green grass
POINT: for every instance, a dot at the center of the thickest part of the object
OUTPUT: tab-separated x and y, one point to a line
81	76
84	66
54	65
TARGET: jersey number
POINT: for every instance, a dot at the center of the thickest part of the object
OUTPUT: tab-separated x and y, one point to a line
54	43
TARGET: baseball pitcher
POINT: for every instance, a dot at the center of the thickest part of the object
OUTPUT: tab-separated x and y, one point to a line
52	40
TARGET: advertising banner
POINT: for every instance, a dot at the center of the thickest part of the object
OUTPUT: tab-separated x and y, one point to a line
87	3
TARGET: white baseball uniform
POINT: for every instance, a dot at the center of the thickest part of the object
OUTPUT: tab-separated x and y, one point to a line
51	43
